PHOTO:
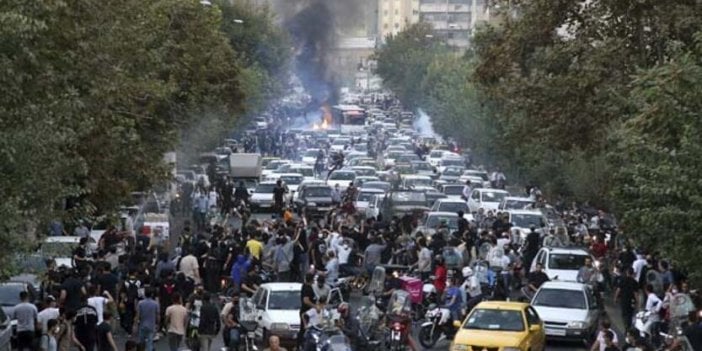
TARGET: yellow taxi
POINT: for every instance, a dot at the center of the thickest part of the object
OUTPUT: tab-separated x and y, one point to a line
500	326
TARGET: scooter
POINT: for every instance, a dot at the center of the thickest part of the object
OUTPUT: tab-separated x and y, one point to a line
652	334
438	323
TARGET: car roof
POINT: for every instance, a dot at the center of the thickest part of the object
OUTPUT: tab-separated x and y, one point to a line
518	198
415	176
282	286
563	285
372	190
289	175
268	182
363	167
451	200
491	190
525	212
502	305
442	213
566	250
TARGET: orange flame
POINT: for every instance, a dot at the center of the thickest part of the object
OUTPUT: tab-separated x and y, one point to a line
326	114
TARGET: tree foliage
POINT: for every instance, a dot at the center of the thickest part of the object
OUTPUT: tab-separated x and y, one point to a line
93	93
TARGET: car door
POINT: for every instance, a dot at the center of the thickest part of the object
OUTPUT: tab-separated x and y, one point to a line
537	337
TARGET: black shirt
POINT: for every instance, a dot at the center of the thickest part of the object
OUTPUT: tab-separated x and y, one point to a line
307	291
278	193
532	242
108	281
103	330
252	280
627	290
86	323
694	336
73	288
537	278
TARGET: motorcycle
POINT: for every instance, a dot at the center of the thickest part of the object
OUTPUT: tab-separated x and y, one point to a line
438	323
369	316
641	320
326	336
399	321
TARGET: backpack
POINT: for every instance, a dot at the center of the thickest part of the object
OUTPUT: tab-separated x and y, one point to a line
133	287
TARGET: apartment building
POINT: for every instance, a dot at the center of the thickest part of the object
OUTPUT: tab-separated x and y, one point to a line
395	15
453	20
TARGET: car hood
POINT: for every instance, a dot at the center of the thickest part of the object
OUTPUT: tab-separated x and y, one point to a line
343	184
323	200
490	205
410	208
564	315
285	316
564	275
488	338
262	196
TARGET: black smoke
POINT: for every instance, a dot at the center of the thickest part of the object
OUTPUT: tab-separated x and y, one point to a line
313	32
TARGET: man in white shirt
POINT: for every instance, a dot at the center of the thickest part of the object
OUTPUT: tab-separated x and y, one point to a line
190	267
653	306
99	302
638	266
424	259
467	190
49	312
600	344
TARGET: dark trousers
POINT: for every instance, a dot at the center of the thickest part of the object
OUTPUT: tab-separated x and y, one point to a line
627	314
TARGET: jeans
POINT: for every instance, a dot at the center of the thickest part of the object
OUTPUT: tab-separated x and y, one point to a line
174	341
206	342
146	337
234	339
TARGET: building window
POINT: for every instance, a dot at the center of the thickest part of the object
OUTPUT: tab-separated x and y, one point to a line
397	25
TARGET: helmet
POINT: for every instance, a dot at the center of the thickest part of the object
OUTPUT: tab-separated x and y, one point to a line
467	272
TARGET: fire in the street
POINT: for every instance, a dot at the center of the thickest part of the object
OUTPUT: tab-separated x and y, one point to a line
326	118
323	126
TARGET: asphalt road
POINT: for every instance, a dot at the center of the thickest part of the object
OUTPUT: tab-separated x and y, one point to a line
442	345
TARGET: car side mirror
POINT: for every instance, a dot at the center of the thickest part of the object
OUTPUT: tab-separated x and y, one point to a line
535	328
456	324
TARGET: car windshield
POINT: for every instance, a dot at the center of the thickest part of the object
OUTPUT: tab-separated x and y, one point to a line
497	320
292	180
343	176
9	294
408	198
452	172
516	204
526	220
566	261
482	175
394	154
311	153
452	162
560	298
318	192
284	300
453	207
453	190
365	196
436	154
418	182
365	171
274	165
491	196
265	188
435	221
306	172
377	185
57	249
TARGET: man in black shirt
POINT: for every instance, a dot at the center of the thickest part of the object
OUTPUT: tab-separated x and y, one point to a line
626	295
532	247
537	278
85	325
105	340
251	281
307	299
72	290
278	196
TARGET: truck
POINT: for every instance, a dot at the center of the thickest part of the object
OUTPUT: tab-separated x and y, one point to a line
246	168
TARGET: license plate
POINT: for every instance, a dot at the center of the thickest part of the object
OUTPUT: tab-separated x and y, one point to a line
555	332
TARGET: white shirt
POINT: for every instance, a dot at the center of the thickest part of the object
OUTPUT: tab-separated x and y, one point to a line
638	266
472	286
343	252
45	315
601	340
315	318
424	260
466	191
189	267
99	303
653	305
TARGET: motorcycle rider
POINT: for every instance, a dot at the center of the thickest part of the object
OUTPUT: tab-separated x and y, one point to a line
471	286
241	194
349	326
453	299
653	307
337	160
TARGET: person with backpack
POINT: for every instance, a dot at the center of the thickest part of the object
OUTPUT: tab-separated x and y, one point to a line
209	322
129	297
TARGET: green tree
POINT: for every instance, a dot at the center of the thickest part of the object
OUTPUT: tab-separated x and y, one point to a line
403	62
659	154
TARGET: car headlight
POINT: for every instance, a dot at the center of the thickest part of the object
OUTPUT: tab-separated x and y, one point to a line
460	348
576	325
280	327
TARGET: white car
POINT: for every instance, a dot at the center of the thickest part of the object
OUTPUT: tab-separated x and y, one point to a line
306	171
436	155
451	161
291	180
262	197
60	248
453	191
516	203
433	220
483	175
561	264
414	181
277	309
487	199
569	311
523	220
365	171
272	166
309	157
452	205
342	178
339	143
365	196
154	222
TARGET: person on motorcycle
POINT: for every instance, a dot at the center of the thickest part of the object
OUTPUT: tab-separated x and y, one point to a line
453	299
652	307
471	286
241	194
349	325
337	162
